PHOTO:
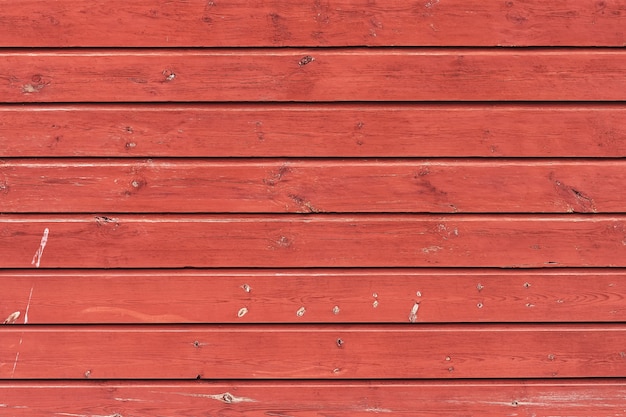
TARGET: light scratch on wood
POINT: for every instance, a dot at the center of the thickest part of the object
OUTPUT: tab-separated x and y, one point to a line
28	305
17	357
44	240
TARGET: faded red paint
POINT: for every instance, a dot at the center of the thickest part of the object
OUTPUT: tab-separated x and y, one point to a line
437	211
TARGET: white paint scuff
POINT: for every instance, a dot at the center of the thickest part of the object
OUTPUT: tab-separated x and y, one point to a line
44	240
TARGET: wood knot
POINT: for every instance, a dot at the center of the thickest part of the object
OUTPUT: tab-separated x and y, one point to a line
306	60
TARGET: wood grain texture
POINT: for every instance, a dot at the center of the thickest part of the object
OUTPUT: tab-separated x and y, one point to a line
134	241
326	296
312	75
312	352
313	23
574	398
312	186
313	130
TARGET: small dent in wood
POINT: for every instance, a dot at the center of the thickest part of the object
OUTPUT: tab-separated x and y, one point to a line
87	373
340	342
301	311
375	303
246	288
336	310
242	312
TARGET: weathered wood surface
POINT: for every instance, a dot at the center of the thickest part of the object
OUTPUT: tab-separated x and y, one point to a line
573	398
313	23
312	186
312	352
314	130
309	241
168	241
312	75
313	296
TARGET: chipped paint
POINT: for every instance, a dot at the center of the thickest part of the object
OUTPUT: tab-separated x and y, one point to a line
413	313
12	318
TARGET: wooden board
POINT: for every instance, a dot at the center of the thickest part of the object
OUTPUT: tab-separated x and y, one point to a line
314	130
577	398
133	241
312	352
313	296
312	23
312	75
312	186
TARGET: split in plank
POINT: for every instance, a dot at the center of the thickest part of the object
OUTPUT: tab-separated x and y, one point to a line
312	352
314	130
313	240
312	75
312	23
312	186
310	296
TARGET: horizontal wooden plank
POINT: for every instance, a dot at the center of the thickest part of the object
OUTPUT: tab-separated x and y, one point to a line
302	352
312	186
133	241
312	23
329	130
578	398
312	75
309	296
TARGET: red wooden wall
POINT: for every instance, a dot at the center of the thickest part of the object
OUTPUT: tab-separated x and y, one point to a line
316	208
